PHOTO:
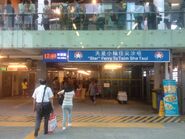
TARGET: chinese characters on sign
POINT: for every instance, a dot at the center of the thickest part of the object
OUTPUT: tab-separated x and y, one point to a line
105	55
119	55
55	55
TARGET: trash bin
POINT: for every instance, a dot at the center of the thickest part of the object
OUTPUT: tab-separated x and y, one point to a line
157	96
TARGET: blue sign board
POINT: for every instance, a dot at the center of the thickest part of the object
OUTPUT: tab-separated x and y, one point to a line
121	55
170	98
55	55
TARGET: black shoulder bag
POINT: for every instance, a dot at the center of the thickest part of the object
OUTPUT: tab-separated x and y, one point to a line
42	107
61	99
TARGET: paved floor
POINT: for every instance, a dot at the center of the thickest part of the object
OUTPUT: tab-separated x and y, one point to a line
107	119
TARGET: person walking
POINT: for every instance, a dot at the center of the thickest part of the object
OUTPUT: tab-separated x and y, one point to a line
93	90
68	92
43	105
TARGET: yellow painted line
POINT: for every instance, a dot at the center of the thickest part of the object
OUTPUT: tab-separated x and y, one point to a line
165	119
117	119
139	125
31	134
139	118
172	118
131	118
88	119
106	119
145	119
177	121
84	118
102	119
81	117
158	119
17	124
153	118
95	119
124	119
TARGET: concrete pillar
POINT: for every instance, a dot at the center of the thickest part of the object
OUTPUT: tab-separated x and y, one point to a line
157	75
160	7
40	11
41	71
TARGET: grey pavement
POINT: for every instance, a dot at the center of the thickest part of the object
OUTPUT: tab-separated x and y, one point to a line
13	107
170	131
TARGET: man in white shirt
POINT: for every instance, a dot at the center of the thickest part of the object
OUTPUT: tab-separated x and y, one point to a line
43	105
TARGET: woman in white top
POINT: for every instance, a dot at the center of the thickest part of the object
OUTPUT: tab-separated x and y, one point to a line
67	105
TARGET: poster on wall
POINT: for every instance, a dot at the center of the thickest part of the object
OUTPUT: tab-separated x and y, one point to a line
170	98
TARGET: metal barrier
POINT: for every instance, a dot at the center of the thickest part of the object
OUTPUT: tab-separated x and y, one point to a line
85	21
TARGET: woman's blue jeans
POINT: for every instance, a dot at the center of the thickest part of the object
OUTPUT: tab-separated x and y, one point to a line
67	113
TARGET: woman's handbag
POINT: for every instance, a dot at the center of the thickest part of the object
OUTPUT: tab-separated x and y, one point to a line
61	99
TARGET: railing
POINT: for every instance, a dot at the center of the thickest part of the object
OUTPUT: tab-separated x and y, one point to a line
91	19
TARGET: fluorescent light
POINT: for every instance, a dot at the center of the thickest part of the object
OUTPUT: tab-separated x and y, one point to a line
175	4
16	67
68	68
112	66
83	72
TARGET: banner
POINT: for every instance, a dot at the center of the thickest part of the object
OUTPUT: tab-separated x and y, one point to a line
121	55
170	98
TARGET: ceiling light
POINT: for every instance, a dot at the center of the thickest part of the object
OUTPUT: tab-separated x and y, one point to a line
83	72
112	66
175	4
17	67
68	68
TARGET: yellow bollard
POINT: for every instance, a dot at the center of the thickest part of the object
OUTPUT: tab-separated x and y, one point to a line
161	108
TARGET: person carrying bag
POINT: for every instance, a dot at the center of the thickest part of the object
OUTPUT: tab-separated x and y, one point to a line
43	105
61	97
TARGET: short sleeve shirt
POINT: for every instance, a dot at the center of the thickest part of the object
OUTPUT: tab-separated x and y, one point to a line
39	92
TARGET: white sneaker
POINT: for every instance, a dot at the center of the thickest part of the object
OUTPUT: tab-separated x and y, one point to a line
63	128
69	124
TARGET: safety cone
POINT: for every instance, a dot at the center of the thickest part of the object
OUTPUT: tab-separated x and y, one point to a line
161	108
